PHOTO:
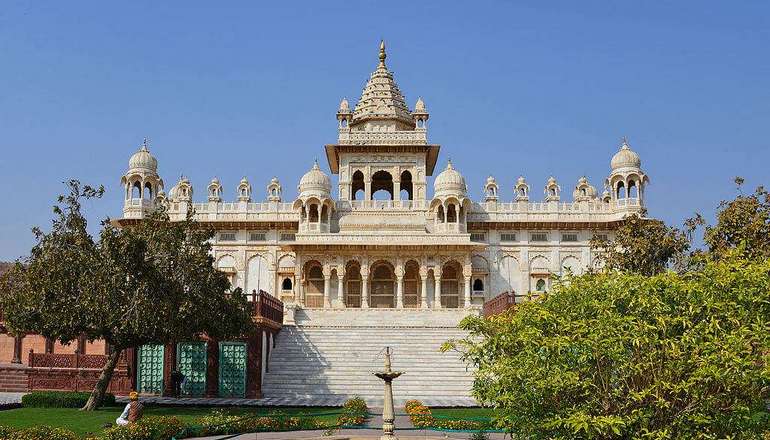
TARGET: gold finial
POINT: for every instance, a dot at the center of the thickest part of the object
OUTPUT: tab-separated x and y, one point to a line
382	52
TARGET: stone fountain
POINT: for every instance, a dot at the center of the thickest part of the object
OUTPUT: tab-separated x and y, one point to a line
388	416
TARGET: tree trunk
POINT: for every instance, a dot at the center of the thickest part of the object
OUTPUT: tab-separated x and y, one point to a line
97	395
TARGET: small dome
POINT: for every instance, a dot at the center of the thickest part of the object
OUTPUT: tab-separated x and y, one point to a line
551	181
214	181
450	181
521	181
582	180
625	158
491	180
274	180
419	107
315	180
244	181
143	159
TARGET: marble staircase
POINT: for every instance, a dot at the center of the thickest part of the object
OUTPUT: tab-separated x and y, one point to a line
331	354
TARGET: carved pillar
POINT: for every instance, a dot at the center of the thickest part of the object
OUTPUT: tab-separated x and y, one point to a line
17	346
424	288
212	368
364	287
327	286
437	291
396	190
296	286
467	273
399	287
340	288
368	189
467	292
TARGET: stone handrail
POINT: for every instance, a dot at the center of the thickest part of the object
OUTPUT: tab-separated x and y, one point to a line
499	304
267	307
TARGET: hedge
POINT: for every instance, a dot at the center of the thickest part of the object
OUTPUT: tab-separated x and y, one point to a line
36	433
61	399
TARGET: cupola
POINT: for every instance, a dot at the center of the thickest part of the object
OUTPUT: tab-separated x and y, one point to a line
449	182
521	189
244	190
552	190
274	190
583	191
490	190
215	190
315	183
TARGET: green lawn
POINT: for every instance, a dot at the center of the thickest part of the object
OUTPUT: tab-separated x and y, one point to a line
462	413
84	422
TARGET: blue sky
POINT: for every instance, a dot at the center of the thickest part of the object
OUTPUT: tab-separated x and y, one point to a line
248	88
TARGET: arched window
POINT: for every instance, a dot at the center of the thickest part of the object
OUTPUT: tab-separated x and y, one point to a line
451	214
633	190
440	213
313	215
540	285
382	186
522	192
553	191
324	214
286	284
478	285
406	186
620	192
583	192
136	190
357	186
147	191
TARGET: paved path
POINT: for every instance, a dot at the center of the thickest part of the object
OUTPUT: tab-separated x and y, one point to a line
7	398
449	402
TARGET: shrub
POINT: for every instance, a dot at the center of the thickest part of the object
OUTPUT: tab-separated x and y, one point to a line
61	399
147	428
618	355
36	433
354	412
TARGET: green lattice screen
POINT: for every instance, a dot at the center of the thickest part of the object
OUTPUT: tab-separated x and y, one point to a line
232	369
192	363
150	369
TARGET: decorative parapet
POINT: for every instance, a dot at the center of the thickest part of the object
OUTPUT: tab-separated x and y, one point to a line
349	137
593	211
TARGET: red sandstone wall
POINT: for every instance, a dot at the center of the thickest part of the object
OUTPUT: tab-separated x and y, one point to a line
34	342
6	348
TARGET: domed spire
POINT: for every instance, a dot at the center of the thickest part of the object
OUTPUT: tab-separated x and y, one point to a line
142	159
383	55
381	99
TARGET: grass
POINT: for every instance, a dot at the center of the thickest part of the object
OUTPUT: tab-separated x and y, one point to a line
462	413
91	422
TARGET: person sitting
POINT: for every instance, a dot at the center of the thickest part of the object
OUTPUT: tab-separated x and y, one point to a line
132	412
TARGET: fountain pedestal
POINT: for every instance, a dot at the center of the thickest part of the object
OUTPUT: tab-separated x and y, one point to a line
388	415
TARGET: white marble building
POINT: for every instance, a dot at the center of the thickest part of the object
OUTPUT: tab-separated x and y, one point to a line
417	249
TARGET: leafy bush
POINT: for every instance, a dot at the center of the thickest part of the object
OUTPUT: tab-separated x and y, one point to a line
147	428
620	355
36	433
61	399
354	412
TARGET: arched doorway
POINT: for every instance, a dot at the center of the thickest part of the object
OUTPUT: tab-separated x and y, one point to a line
314	291
383	285
353	285
357	187
450	285
412	285
407	188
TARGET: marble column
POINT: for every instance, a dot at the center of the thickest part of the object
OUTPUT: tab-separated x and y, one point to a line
367	190
364	289
396	190
341	289
467	292
424	292
437	293
327	288
399	291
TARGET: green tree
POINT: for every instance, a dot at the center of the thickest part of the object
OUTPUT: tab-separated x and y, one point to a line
744	223
623	355
641	245
154	282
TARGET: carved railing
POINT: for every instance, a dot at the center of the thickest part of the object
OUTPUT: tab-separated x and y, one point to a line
72	360
499	304
267	307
